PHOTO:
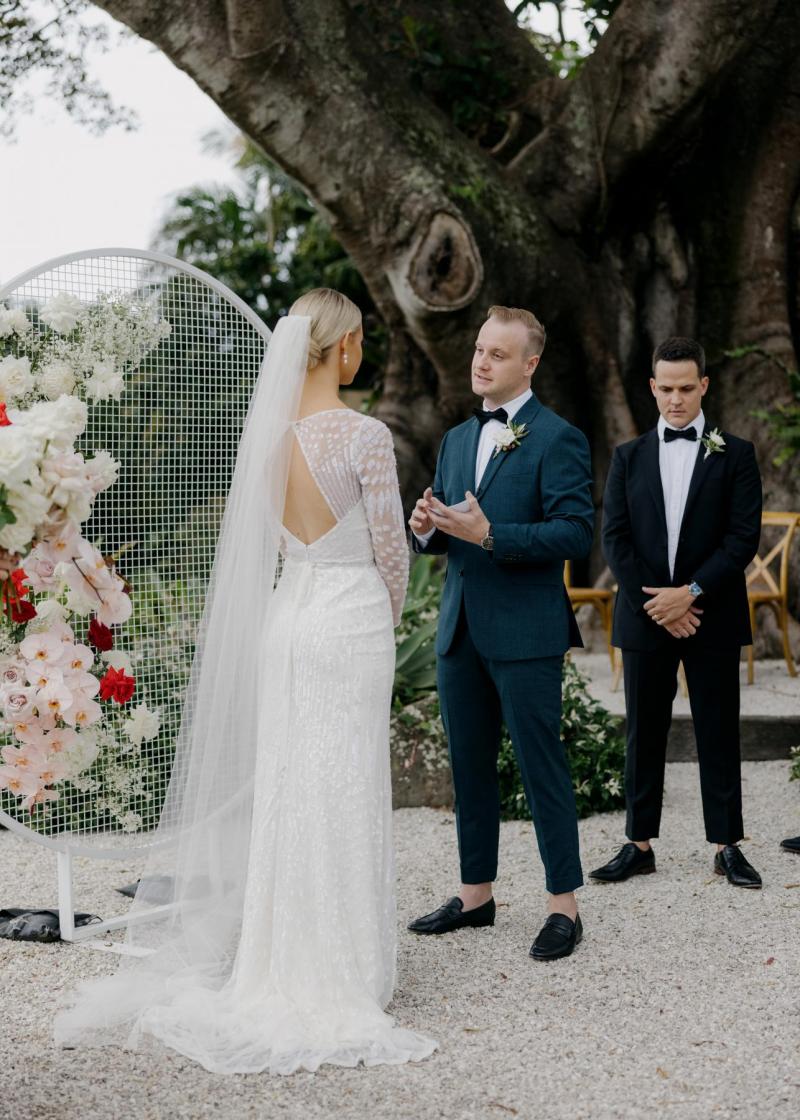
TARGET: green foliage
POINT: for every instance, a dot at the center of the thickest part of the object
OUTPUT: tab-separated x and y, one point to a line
591	735
267	242
566	55
415	672
783	420
54	38
595	749
794	773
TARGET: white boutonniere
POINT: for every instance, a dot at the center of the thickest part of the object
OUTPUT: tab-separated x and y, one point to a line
713	443
508	437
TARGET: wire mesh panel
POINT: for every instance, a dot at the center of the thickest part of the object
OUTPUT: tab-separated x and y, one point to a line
174	429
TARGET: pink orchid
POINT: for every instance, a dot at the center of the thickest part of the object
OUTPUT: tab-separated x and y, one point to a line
55	699
27	758
86	684
19	782
54	769
78	657
45	647
30	730
83	711
41	795
40	675
115	608
60	739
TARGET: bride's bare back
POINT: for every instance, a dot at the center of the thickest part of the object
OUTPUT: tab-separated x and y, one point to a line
306	514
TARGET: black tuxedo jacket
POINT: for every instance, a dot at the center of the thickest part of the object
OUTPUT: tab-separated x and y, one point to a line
718	538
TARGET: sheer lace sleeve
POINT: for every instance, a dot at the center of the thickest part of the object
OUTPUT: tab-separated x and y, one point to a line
377	473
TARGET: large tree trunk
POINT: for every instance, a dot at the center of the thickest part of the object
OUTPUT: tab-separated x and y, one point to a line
651	194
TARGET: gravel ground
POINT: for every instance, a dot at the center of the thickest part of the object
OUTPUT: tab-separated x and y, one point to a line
681	1002
772	693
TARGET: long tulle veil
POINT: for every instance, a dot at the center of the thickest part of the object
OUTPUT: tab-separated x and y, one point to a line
203	838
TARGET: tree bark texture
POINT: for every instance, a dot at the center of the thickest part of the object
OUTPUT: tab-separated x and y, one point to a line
656	192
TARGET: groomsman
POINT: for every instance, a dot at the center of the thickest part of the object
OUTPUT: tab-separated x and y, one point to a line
682	520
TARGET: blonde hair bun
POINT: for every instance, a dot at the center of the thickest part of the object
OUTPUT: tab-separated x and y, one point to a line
332	316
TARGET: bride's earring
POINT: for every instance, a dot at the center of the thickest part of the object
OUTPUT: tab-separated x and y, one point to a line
344	357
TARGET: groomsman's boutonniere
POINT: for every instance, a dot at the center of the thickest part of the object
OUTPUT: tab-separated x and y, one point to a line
507	438
713	443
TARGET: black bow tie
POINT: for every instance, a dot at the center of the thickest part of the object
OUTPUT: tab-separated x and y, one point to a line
483	416
680	433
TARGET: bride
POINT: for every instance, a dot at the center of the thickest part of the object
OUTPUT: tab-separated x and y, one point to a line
275	950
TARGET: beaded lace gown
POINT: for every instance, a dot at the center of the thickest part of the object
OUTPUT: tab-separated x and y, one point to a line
316	958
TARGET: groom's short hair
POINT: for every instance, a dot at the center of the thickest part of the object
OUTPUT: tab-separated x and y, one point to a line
680	349
536	332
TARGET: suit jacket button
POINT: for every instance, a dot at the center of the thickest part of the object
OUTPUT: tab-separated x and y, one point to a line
461	572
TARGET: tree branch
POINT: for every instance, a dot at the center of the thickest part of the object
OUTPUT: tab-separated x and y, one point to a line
651	69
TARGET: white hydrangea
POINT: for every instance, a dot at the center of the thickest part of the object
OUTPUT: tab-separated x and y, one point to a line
55	379
62	312
118	659
16	378
102	470
82	753
142	724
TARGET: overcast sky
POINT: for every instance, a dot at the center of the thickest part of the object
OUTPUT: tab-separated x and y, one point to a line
63	189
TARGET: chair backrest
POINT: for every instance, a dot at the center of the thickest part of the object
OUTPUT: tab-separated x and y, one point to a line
568	574
760	576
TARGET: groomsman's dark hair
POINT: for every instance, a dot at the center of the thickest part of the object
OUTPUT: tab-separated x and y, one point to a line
536	332
679	349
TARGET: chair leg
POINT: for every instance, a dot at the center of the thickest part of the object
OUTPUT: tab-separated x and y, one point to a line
787	649
617	663
608	623
750	665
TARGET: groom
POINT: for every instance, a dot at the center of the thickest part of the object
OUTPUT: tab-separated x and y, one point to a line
681	522
510	503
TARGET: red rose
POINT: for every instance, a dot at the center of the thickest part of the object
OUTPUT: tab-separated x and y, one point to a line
19	577
117	686
100	636
23	611
4	420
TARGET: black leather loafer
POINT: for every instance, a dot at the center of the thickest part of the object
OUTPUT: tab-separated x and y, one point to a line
452	916
731	863
557	938
792	844
628	861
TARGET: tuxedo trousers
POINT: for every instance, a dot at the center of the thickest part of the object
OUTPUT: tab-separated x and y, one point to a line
651	683
477	696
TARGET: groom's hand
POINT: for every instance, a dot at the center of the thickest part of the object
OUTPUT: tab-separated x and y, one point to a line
668	603
685	627
420	520
470	525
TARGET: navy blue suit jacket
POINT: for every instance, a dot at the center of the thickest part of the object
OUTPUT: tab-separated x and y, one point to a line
537	497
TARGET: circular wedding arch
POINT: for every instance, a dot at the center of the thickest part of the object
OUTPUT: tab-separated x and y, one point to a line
175	431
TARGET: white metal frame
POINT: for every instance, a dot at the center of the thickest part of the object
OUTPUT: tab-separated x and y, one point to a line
63	845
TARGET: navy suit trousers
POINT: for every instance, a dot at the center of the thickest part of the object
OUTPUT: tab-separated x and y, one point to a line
477	695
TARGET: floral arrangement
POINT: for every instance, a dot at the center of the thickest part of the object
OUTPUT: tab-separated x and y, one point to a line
64	687
508	437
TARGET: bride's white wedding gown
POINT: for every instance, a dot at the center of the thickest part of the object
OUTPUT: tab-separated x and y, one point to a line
316	957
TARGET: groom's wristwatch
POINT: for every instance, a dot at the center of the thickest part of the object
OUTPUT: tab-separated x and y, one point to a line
695	589
488	541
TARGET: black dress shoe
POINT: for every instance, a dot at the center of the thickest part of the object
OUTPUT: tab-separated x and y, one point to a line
792	845
628	861
557	938
731	863
453	916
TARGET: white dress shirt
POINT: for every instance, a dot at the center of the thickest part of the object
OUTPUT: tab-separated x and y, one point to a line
676	461
486	445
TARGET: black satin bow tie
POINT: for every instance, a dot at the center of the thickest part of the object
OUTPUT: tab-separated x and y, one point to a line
483	416
680	433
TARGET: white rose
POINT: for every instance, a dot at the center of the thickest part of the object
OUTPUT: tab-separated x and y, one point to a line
16	378
61	312
56	378
143	724
59	423
17	537
504	438
17	455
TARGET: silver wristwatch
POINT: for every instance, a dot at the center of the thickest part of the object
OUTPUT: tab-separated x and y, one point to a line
695	589
488	541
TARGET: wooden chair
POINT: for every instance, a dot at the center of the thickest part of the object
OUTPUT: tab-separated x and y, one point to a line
598	597
763	589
